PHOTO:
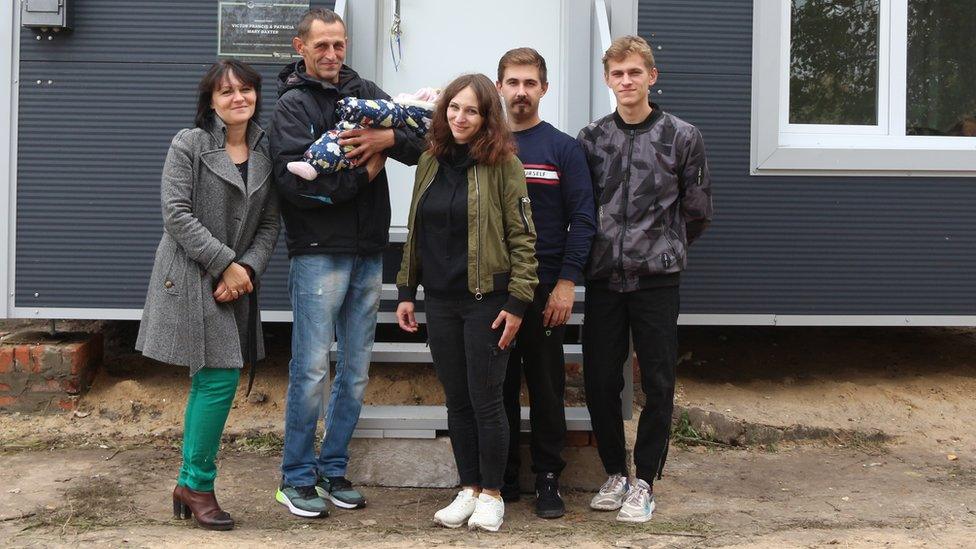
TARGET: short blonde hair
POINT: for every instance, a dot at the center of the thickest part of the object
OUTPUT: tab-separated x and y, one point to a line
626	45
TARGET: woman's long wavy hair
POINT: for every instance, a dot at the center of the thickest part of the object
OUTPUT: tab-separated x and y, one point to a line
494	142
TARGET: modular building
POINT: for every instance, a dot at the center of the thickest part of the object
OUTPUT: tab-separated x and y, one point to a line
839	135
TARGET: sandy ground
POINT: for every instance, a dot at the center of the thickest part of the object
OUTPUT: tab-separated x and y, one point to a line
103	475
805	496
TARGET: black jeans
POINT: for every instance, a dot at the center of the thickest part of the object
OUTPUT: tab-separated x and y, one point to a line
471	368
539	354
652	315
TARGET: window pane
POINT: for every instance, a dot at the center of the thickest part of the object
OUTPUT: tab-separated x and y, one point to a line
834	62
941	67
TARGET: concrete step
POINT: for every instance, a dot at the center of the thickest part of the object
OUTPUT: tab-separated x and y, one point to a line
400	352
423	421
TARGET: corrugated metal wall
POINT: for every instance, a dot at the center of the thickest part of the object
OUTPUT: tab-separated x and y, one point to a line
98	108
800	245
92	142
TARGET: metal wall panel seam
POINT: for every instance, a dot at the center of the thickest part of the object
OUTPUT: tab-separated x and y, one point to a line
684	319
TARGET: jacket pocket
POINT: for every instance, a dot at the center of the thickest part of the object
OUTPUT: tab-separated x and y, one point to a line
523	203
497	363
674	252
175	273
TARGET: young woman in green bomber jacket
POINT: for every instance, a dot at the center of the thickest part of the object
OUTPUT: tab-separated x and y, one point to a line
471	244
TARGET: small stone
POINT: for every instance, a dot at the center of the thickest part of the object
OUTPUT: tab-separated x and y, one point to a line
110	415
14	491
845	498
79	413
952	457
257	397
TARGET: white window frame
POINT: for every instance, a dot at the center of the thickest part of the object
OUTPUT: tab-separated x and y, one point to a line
781	148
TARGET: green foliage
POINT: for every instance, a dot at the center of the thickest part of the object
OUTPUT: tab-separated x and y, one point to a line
941	66
834	62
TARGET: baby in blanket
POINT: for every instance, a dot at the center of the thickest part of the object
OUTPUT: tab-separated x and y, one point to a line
325	155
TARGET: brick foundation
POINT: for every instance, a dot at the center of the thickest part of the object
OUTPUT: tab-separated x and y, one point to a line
44	373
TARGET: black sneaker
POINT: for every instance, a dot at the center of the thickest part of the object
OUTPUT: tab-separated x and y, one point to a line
511	492
340	491
302	501
548	503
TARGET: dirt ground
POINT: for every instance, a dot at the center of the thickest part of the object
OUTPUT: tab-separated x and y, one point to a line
103	475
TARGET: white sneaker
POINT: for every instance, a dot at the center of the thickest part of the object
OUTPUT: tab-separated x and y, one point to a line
488	513
611	494
457	513
638	505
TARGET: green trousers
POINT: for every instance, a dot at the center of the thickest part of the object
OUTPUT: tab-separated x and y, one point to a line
211	395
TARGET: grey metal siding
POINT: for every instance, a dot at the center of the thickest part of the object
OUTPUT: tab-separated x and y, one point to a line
92	144
800	245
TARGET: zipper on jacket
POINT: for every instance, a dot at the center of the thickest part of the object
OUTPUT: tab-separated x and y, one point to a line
413	223
626	198
477	196
525	221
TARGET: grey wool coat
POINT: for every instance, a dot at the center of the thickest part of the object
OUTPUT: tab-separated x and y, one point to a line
210	219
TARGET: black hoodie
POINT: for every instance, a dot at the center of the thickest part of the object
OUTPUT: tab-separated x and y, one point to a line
356	218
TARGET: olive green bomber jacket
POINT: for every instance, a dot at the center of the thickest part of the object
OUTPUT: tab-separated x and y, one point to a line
501	235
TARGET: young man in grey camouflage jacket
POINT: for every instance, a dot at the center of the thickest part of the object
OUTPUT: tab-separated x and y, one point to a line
653	197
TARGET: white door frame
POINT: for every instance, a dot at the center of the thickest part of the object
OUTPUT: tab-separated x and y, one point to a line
9	71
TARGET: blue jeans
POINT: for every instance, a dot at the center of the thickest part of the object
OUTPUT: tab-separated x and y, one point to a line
330	294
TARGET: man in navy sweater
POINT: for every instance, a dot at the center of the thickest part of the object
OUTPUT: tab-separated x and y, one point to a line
561	195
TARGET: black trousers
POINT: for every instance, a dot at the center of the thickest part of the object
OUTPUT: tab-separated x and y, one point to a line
652	315
471	368
539	354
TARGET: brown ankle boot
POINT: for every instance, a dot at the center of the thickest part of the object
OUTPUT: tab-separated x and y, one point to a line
203	506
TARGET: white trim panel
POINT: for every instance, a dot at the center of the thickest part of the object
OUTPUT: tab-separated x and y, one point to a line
9	69
685	319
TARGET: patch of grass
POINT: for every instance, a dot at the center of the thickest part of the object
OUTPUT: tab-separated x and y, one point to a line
268	443
96	504
873	444
22	445
683	432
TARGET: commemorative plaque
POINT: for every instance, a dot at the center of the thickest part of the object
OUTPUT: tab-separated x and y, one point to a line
258	30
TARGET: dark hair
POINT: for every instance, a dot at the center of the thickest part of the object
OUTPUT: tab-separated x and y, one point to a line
214	78
494	142
316	14
523	56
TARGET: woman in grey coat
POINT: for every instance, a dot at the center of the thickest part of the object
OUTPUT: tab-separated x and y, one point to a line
220	215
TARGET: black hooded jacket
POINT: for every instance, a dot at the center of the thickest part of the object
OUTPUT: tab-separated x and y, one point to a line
343	212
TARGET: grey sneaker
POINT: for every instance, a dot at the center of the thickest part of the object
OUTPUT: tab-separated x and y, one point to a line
341	492
638	505
611	494
302	501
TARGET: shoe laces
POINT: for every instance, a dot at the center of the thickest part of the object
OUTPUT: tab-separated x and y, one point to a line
613	484
547	487
307	492
339	483
489	504
636	495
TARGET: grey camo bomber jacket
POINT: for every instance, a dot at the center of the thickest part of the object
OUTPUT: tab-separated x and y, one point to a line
653	196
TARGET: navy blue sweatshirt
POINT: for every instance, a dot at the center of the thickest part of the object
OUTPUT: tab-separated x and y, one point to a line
559	185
